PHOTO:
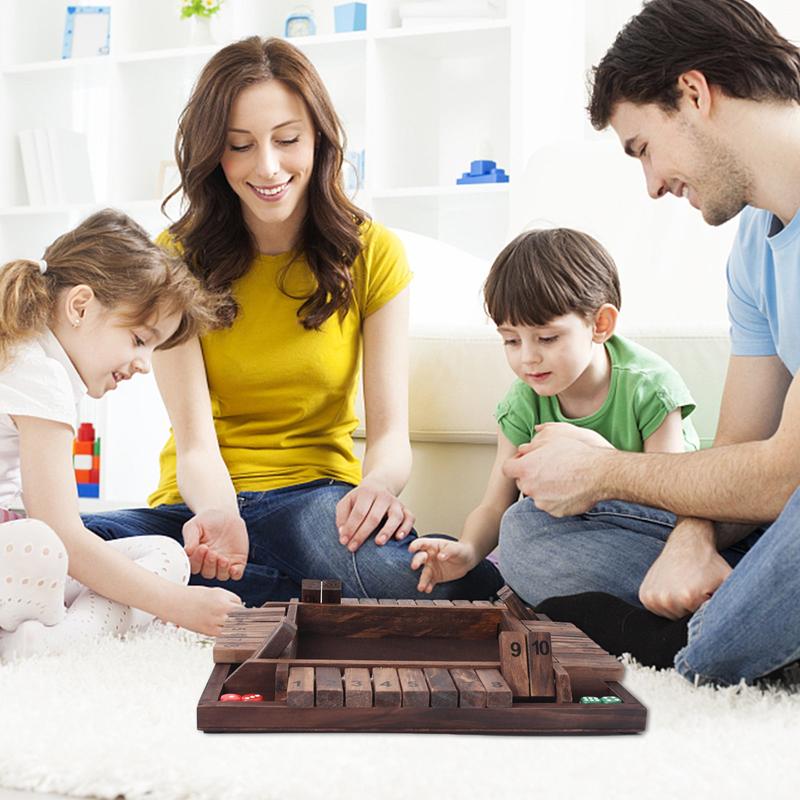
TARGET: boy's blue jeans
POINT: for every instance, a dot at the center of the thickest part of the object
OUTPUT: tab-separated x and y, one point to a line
293	536
751	625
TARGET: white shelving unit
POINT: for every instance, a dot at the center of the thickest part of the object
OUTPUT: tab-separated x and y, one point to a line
421	103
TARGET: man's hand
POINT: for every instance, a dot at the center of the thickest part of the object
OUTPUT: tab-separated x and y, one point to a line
688	571
217	545
360	511
560	473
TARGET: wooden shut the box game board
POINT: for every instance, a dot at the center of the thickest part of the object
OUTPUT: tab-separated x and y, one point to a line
323	663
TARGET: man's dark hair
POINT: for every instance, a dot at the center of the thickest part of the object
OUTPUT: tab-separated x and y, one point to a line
545	274
733	45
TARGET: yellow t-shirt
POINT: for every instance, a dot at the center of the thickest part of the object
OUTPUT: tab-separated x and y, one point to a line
283	397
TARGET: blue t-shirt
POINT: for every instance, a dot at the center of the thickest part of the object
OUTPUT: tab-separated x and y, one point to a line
764	288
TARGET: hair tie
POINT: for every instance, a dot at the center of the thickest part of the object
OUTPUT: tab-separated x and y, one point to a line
42	265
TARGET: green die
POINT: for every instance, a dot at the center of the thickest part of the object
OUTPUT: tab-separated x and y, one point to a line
610	699
589	700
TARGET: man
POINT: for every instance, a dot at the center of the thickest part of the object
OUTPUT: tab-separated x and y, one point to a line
706	95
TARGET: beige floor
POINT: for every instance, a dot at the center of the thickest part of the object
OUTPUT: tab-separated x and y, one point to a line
10	794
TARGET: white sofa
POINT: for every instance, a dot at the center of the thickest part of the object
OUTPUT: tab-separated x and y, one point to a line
672	271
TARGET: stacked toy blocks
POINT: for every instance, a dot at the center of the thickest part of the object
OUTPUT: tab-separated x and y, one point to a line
86	461
483	172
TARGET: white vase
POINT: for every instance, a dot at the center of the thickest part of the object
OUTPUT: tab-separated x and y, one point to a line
200	31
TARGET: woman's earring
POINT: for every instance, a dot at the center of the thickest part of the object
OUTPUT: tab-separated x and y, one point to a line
76	322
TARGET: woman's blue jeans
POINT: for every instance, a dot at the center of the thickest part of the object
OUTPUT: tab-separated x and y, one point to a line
293	536
749	628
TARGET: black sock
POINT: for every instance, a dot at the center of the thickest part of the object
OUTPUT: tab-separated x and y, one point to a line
619	627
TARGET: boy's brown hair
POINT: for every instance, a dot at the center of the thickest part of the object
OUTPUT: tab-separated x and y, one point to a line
735	47
544	274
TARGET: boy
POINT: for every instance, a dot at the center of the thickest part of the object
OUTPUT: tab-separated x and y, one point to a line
554	295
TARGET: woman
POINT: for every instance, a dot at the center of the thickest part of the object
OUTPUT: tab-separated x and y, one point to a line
260	478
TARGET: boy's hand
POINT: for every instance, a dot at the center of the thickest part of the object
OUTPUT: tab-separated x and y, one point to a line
203	609
360	512
441	560
217	545
552	431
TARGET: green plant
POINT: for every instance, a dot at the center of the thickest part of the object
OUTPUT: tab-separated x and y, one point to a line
200	8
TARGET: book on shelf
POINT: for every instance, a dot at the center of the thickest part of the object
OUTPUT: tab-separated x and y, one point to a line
56	166
30	166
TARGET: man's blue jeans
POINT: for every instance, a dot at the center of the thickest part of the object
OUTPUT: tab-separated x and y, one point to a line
750	627
293	536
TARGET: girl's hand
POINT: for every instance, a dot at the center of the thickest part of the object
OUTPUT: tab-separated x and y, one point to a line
217	544
550	431
361	510
441	560
203	609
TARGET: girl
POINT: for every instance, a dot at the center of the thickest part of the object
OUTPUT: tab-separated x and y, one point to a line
261	468
86	317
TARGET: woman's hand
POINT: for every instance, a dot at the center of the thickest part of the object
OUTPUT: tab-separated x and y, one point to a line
217	544
361	510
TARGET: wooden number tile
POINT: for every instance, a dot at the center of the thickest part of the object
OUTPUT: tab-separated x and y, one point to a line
498	692
406	602
300	692
540	659
414	686
280	638
387	687
471	692
331	591
310	591
329	690
443	691
563	684
514	662
357	688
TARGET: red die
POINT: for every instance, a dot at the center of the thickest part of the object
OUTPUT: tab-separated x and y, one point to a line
252	698
229	698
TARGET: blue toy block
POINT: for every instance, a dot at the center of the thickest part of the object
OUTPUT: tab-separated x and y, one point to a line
350	17
481	167
88	490
495	176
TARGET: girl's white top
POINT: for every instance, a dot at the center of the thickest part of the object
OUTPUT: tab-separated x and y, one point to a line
39	381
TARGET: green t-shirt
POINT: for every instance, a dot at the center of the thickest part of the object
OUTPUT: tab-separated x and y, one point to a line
644	388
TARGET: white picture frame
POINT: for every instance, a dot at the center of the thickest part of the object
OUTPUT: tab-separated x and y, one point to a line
87	32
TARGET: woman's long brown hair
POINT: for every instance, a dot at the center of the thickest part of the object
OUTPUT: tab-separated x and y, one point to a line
212	234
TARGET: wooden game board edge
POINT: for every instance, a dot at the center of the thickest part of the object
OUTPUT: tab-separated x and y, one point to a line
533	718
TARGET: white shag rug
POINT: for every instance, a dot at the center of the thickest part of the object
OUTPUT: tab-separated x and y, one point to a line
117	720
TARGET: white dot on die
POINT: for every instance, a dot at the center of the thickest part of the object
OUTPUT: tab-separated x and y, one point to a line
9	548
28	548
46	551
